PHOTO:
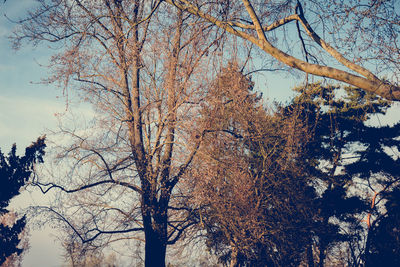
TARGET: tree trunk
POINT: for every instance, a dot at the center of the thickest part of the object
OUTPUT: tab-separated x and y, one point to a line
367	247
322	255
155	249
310	257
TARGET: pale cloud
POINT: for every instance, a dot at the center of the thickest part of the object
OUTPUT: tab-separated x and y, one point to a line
4	67
23	119
44	250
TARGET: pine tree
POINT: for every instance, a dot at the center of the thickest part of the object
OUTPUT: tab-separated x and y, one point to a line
345	148
14	173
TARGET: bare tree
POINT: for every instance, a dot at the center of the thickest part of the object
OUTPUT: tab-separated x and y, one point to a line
364	33
139	64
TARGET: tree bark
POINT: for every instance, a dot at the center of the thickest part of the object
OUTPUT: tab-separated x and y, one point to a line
310	257
155	249
367	247
322	254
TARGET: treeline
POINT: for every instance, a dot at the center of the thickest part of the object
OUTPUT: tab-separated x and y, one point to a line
309	183
181	150
305	184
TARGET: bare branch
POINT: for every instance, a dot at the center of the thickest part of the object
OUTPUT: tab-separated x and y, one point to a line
50	186
97	230
370	83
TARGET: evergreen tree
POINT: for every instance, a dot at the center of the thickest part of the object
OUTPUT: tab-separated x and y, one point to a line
384	239
279	190
344	148
14	173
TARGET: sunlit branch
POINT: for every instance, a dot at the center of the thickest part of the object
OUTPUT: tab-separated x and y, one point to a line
369	83
96	19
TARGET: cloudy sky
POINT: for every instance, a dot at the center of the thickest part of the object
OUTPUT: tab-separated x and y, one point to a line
28	109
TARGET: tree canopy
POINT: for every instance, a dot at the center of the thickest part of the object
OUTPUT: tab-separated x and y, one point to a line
179	141
275	196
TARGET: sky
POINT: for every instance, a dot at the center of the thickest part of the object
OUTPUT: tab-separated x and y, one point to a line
28	109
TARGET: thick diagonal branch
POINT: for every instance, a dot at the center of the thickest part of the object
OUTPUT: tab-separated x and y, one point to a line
369	83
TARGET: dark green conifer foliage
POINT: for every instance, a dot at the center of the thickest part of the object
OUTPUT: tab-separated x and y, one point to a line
344	148
14	173
305	213
384	238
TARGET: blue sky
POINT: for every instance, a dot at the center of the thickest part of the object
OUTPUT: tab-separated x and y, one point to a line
28	108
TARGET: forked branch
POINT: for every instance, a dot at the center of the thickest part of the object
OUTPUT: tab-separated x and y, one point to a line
369	82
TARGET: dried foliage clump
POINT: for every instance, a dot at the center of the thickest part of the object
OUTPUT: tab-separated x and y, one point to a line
248	179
